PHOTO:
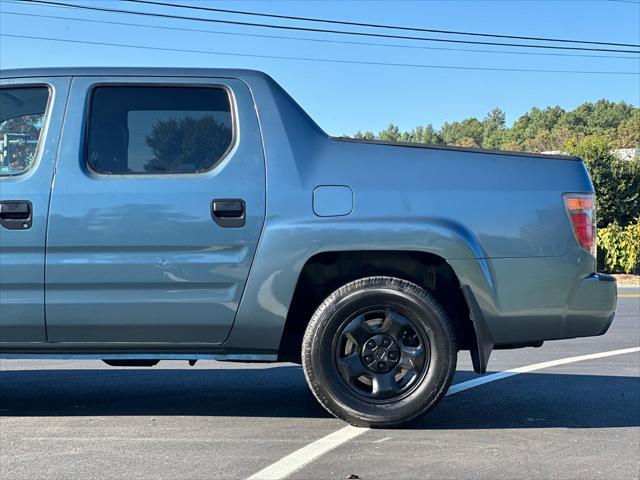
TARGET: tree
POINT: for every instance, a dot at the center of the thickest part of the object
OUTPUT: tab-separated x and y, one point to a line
429	135
538	130
531	125
628	134
188	144
548	140
616	182
421	134
494	129
602	118
456	133
363	136
467	142
19	136
392	133
495	119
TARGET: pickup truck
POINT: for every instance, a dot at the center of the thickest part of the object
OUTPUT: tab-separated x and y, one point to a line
150	214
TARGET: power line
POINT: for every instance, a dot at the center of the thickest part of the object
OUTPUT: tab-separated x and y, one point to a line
320	30
323	60
318	40
377	25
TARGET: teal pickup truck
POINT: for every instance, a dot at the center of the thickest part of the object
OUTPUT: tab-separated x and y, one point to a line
150	214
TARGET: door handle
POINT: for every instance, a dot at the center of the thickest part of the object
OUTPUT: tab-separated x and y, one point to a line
16	214
229	212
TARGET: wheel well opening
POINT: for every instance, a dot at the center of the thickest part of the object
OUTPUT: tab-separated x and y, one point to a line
326	272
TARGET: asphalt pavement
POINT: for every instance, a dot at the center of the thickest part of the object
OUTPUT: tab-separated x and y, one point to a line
83	419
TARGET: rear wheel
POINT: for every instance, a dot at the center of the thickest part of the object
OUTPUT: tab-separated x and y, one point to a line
379	351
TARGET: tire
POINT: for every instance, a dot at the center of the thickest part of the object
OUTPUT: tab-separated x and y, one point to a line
348	352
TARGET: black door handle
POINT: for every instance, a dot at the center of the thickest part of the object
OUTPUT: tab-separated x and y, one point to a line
229	212
16	214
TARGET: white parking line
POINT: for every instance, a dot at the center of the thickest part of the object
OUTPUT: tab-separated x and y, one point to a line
460	387
307	454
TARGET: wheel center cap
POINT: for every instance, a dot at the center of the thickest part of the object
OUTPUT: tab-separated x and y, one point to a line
381	353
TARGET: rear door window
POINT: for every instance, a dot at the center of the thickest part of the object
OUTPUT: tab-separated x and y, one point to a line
157	129
22	116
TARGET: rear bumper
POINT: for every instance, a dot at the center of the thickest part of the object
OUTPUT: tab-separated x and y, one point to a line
552	301
592	306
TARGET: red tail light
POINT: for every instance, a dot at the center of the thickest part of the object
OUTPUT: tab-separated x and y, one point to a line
580	208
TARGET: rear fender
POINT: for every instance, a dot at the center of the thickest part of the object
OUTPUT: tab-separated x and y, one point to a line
282	255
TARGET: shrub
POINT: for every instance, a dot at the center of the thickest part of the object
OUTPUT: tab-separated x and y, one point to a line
616	182
620	247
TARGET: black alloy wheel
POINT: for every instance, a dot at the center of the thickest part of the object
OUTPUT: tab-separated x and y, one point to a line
379	352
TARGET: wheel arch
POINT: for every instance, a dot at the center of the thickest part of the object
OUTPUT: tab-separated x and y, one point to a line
325	272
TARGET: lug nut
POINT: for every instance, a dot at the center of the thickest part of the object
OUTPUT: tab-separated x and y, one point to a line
393	355
371	344
382	365
368	359
385	342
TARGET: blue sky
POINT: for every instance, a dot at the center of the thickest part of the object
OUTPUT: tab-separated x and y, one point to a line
344	98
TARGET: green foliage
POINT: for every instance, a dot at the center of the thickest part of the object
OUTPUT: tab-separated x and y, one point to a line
616	182
192	144
494	130
425	134
392	133
23	133
538	130
533	130
601	118
628	135
468	133
620	247
366	135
